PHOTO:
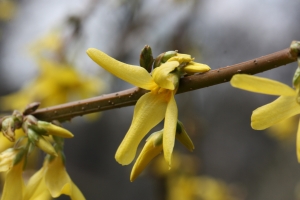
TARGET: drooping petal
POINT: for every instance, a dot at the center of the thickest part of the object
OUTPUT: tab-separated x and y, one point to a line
170	129
14	184
75	193
194	67
148	112
269	114
36	187
298	143
135	75
58	181
261	85
149	151
162	76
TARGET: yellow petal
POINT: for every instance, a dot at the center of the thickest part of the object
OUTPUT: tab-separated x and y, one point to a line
162	76
148	112
181	58
36	187
269	114
59	182
7	158
194	67
75	193
135	75
261	85
149	151
14	184
298	143
170	129
56	177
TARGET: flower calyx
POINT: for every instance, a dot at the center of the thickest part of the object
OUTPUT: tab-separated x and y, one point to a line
183	137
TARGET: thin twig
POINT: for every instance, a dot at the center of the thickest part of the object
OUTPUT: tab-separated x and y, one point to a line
129	97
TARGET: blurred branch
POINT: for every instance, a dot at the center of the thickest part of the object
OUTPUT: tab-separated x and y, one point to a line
129	97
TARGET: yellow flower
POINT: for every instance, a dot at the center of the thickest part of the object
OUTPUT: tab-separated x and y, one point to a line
284	107
52	179
154	106
12	160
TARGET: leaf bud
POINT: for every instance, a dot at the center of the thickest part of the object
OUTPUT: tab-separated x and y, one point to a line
146	58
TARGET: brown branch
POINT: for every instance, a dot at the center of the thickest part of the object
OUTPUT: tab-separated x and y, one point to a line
129	97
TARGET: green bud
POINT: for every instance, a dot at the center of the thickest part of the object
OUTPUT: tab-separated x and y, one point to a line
41	142
8	128
183	137
168	55
146	58
19	156
52	129
296	78
295	48
18	118
164	57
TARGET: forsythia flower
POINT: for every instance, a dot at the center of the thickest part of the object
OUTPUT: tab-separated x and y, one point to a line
57	83
52	179
153	106
286	106
12	161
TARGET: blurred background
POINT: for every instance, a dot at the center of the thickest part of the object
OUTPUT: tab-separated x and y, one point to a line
42	58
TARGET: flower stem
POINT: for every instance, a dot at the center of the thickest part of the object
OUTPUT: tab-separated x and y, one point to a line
67	111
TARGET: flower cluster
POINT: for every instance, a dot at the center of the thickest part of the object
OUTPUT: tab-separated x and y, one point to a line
51	180
57	76
158	104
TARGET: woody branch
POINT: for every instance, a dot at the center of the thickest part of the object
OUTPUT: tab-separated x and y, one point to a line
129	97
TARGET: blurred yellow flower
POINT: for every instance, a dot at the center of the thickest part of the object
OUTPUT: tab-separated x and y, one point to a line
7	9
284	130
183	183
284	107
57	83
51	44
153	106
52	179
